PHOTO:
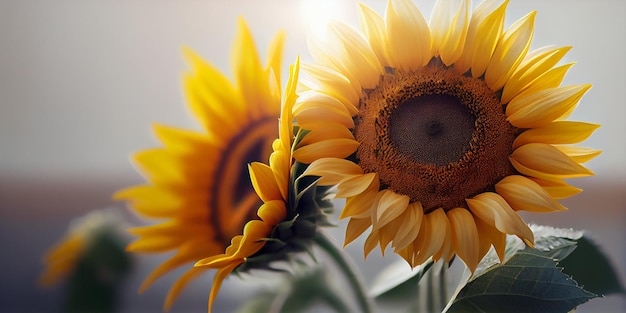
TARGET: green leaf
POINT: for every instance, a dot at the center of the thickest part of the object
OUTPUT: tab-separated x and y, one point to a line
527	282
550	242
297	294
592	269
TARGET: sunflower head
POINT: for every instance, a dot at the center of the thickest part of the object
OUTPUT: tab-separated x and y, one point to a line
91	261
94	241
437	133
198	182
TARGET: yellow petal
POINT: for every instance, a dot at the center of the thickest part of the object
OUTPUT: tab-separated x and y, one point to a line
524	194
332	170
330	59
272	212
550	79
510	51
331	131
179	285
488	236
408	36
332	83
334	148
486	34
465	240
210	95
446	252
152	201
183	140
373	26
449	27
546	160
359	59
313	109
558	132
356	227
280	164
187	253
390	206
263	181
529	70
431	236
171	228
285	131
542	107
579	154
355	185
387	233
557	189
483	10
170	168
494	210
219	277
370	243
250	76
410	226
275	56
359	206
154	244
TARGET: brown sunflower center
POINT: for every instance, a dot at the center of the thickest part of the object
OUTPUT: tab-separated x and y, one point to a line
432	128
434	135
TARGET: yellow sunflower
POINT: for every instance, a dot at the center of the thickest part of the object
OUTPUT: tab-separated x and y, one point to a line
198	183
83	237
438	133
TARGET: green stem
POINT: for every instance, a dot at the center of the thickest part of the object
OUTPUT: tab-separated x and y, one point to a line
348	268
443	286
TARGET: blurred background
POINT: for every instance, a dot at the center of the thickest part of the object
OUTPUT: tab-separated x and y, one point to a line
82	81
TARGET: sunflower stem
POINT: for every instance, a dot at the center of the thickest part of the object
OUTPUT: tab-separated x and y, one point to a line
433	290
443	287
348	268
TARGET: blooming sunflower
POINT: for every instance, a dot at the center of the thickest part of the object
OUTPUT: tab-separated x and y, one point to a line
198	182
438	133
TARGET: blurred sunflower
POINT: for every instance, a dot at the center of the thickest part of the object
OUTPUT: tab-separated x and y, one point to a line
438	134
199	182
91	260
85	235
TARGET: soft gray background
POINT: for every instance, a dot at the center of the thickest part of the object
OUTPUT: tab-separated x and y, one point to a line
81	81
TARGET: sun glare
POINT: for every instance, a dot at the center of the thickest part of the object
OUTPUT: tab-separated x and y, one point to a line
317	13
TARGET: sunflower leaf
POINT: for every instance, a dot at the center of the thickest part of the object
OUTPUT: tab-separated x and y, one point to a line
592	269
556	243
526	282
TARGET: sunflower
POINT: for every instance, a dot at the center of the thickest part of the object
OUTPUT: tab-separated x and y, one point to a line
198	183
94	232
438	133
